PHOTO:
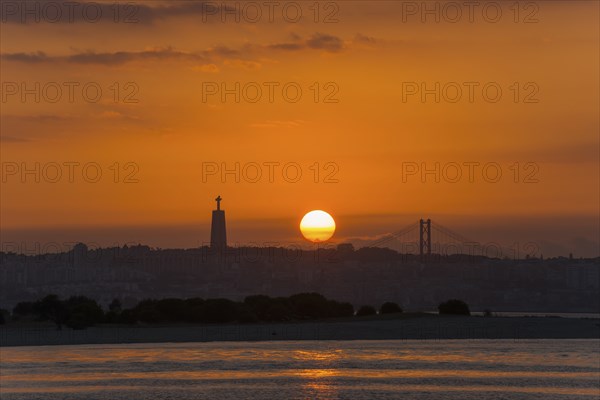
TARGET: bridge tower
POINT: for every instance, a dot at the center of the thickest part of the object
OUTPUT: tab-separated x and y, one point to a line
424	238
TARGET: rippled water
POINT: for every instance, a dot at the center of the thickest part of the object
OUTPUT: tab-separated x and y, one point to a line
406	369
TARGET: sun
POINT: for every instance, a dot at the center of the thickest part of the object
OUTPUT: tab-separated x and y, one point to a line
317	226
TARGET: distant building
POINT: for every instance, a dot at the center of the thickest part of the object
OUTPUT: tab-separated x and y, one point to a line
218	233
345	248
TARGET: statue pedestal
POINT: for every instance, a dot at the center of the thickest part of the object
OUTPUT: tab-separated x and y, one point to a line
218	234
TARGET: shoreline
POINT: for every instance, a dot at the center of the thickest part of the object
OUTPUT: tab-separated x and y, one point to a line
423	327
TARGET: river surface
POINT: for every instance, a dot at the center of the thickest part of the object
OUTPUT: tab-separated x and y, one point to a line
394	369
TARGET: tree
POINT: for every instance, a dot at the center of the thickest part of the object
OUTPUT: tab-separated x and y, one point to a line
390	308
366	310
219	310
51	308
115	306
278	311
245	314
172	310
146	311
114	311
455	307
309	305
23	308
194	309
127	317
259	304
83	312
337	309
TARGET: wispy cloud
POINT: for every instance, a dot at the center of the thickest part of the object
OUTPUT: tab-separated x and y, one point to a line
318	41
108	12
107	58
279	124
210	68
12	139
241	58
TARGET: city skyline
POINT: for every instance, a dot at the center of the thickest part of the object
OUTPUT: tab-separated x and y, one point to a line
510	239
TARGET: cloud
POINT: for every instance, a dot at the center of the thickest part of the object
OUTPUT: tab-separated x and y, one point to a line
287	46
364	41
244	64
122	57
22	128
318	41
38	118
12	139
28	128
575	152
360	38
207	58
114	58
210	68
222	51
111	114
32	58
322	41
70	12
279	124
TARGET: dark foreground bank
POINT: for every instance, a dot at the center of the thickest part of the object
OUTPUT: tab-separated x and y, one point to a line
428	327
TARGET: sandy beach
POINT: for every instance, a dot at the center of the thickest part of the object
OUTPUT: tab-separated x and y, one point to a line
428	327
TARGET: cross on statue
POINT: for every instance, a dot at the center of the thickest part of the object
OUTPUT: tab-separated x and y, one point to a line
218	200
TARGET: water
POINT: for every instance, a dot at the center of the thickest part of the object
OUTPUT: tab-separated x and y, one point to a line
396	369
537	314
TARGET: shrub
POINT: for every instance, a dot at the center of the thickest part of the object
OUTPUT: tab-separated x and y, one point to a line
82	312
245	315
278	311
219	311
172	310
337	309
259	305
366	310
23	308
51	308
115	306
308	305
390	308
455	307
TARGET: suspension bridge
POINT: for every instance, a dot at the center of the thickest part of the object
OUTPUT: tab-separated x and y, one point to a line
428	239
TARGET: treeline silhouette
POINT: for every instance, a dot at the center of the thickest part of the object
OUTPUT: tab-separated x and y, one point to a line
80	312
77	312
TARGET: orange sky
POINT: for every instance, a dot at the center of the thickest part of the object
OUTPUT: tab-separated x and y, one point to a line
364	57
